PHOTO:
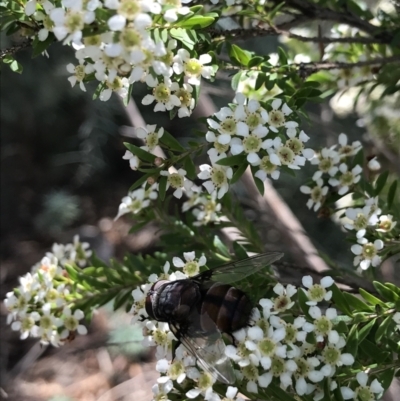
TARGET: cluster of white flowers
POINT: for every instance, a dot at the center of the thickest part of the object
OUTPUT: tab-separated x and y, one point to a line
247	128
367	221
333	170
273	349
125	51
138	199
39	306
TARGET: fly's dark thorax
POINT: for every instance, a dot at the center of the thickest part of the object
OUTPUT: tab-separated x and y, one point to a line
228	307
172	301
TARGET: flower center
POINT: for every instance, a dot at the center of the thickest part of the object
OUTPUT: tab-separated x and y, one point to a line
267	347
295	144
152	140
281	303
250	372
176	180
346	150
325	165
94	40
253	120
162	93
266	165
176	369
286	155
191	268
331	355
128	8
369	251
193	68
228	125
27	323
291	333
160	337
80	72
347	178
218	176
316	293
277	366
364	394
74	21
130	38
184	96
302	368
136	206
205	381
71	323
276	118
316	194
252	144
115	85
46	323
221	148
323	325
360	221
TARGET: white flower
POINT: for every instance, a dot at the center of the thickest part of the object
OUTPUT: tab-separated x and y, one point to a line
204	387
360	219
317	292
216	175
283	154
373	164
386	223
192	266
332	356
266	167
323	325
317	194
150	136
71	322
178	181
193	68
366	391
347	179
30	6
326	160
184	94
348	150
367	254
277	116
137	200
133	160
162	94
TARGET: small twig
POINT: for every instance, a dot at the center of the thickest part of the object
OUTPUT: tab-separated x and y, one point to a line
14	49
242	33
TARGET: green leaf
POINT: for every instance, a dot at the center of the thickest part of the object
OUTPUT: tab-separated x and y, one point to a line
183	36
239	172
359	158
352	341
189	166
139	182
280	394
259	185
257	60
383	329
282	56
385	292
15	66
356	303
162	187
386	377
38	47
371	298
195	22
221	247
138	226
122	298
260	80
237	54
232	160
236	79
373	351
340	300
72	272
391	194
380	182
140	153
240	252
168	140
364	331
303	299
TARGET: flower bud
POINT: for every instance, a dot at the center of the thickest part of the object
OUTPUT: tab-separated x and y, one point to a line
158	161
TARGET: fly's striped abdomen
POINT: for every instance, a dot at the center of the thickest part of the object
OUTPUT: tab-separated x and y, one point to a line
228	307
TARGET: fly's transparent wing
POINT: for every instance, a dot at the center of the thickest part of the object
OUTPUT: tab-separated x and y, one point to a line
236	271
209	350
